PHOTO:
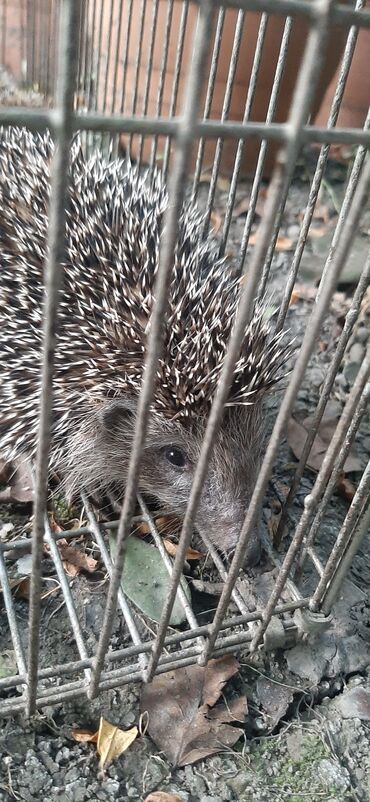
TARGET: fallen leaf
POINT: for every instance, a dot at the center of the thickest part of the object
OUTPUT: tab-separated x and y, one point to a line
302	292
297	433
84	736
19	488
184	720
282	243
146	581
23	586
345	488
75	560
191	554
112	742
216	221
161	796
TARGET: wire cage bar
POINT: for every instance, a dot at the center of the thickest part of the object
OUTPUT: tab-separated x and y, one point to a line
99	79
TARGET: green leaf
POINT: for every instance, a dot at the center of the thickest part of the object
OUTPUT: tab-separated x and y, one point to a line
146	581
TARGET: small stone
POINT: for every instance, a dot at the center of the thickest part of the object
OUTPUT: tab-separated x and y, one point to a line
351	370
356	353
332	773
362	333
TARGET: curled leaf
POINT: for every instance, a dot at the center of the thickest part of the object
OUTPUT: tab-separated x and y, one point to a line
112	742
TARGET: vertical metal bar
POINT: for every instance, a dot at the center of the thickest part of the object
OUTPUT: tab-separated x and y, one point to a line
280	67
175	87
319	172
64	584
130	621
117	59
143	6
334	568
163	74
348	438
90	71
3	31
350	320
125	55
66	83
23	33
361	530
49	47
148	77
155	339
241	144
209	97
13	626
303	357
109	49
305	88
224	114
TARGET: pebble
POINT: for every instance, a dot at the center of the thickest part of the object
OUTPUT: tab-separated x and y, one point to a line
356	353
350	371
332	773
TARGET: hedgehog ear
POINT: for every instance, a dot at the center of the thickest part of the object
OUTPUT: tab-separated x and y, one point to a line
115	413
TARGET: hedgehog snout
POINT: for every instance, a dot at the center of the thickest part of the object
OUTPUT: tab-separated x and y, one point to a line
224	531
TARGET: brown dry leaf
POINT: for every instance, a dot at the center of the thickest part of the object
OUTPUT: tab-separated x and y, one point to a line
216	221
184	720
346	488
297	433
22	588
302	292
84	736
19	485
282	243
191	554
75	560
161	796
317	232
112	742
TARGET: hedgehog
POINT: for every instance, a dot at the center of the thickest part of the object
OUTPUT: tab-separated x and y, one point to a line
114	225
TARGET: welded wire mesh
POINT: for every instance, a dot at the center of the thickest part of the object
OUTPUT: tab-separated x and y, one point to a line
128	74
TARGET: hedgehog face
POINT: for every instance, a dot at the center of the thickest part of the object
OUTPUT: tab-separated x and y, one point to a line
168	465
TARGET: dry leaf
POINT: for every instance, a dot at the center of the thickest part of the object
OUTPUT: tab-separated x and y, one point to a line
112	742
84	736
345	488
22	587
184	720
282	243
75	560
191	554
302	292
297	433
161	796
19	488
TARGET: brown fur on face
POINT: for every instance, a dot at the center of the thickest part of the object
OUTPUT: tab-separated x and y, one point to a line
99	452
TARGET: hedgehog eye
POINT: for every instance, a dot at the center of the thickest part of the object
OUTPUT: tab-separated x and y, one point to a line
176	456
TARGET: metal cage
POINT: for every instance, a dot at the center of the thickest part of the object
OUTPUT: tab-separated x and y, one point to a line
87	88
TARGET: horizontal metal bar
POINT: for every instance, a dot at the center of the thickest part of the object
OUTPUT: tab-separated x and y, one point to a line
340	13
40	120
171	640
